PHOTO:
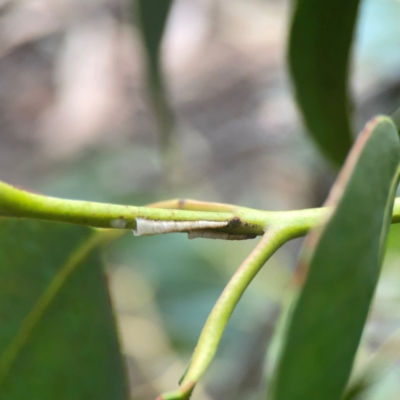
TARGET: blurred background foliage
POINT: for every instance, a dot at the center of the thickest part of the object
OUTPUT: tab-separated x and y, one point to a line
76	121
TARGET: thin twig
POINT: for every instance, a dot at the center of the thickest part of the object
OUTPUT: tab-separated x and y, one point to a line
216	323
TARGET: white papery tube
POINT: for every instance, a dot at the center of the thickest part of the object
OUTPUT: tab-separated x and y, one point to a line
146	227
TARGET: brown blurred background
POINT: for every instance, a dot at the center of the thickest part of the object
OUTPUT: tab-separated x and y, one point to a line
76	122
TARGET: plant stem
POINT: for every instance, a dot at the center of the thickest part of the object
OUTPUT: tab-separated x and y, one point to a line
19	203
216	323
196	205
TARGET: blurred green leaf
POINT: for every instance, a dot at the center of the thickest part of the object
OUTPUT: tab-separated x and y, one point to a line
152	18
396	118
343	260
58	338
357	390
153	15
319	49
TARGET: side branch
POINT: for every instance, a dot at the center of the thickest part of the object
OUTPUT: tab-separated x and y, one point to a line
218	319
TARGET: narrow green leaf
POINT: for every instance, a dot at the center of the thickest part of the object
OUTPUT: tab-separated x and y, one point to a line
319	49
153	15
152	18
57	338
343	261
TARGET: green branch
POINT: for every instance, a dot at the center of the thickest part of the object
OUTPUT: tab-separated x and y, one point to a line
216	323
19	203
15	202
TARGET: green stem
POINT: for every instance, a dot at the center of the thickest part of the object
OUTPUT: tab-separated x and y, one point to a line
216	323
20	203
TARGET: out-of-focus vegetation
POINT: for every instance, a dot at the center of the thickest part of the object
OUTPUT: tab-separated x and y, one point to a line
77	122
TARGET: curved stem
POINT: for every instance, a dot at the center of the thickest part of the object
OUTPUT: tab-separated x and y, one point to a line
216	323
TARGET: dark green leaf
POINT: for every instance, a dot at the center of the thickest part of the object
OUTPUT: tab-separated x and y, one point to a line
153	15
319	49
357	389
152	18
343	261
58	338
